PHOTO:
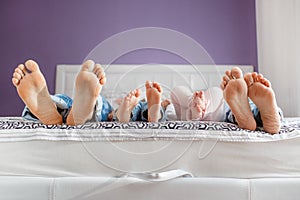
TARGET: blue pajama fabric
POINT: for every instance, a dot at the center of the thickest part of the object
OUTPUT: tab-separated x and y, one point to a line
229	117
140	112
64	104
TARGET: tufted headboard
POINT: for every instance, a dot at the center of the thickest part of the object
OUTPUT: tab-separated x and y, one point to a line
122	78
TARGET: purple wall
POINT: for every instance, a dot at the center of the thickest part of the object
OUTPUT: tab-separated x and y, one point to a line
55	32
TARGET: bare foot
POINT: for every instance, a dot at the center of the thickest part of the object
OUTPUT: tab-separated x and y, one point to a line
89	82
261	93
153	93
32	89
235	93
165	103
127	104
197	105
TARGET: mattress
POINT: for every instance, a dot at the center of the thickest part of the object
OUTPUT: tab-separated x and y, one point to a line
112	149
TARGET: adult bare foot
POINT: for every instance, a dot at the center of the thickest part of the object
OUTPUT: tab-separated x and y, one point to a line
32	89
89	82
261	93
197	106
235	93
127	104
153	93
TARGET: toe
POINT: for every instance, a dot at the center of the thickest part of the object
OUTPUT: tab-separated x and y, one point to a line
17	76
31	66
158	87
224	82
266	82
126	98
201	94
236	73
263	80
129	95
249	79
194	95
228	74
254	77
226	78
132	93
148	84
15	81
259	78
222	85
98	70
88	65
21	69
102	79
137	93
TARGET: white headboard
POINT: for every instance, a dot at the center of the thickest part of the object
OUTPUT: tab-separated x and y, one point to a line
123	78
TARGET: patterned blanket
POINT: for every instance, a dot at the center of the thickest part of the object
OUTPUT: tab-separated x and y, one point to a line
183	130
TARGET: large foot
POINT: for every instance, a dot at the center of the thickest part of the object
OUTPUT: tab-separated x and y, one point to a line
127	104
197	106
89	82
153	93
235	93
32	89
261	93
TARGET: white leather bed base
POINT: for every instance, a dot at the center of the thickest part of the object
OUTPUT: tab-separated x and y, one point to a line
37	188
200	158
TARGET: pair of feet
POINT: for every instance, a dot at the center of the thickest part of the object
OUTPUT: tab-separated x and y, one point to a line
153	94
32	89
236	91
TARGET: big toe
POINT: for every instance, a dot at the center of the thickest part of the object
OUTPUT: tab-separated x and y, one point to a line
32	65
148	84
88	65
236	72
249	79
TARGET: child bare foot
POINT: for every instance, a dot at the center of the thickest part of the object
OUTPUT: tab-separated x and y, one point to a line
197	105
153	93
235	93
32	89
165	103
261	93
127	104
89	82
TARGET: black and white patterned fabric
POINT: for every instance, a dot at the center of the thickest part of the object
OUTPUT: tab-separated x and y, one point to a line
20	129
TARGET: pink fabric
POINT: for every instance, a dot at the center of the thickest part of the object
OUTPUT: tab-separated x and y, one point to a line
181	98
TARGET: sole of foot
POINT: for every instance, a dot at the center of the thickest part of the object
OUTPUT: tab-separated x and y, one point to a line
32	89
88	85
263	96
127	104
235	93
153	94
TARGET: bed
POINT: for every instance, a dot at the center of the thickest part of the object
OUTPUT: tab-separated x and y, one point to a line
139	160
